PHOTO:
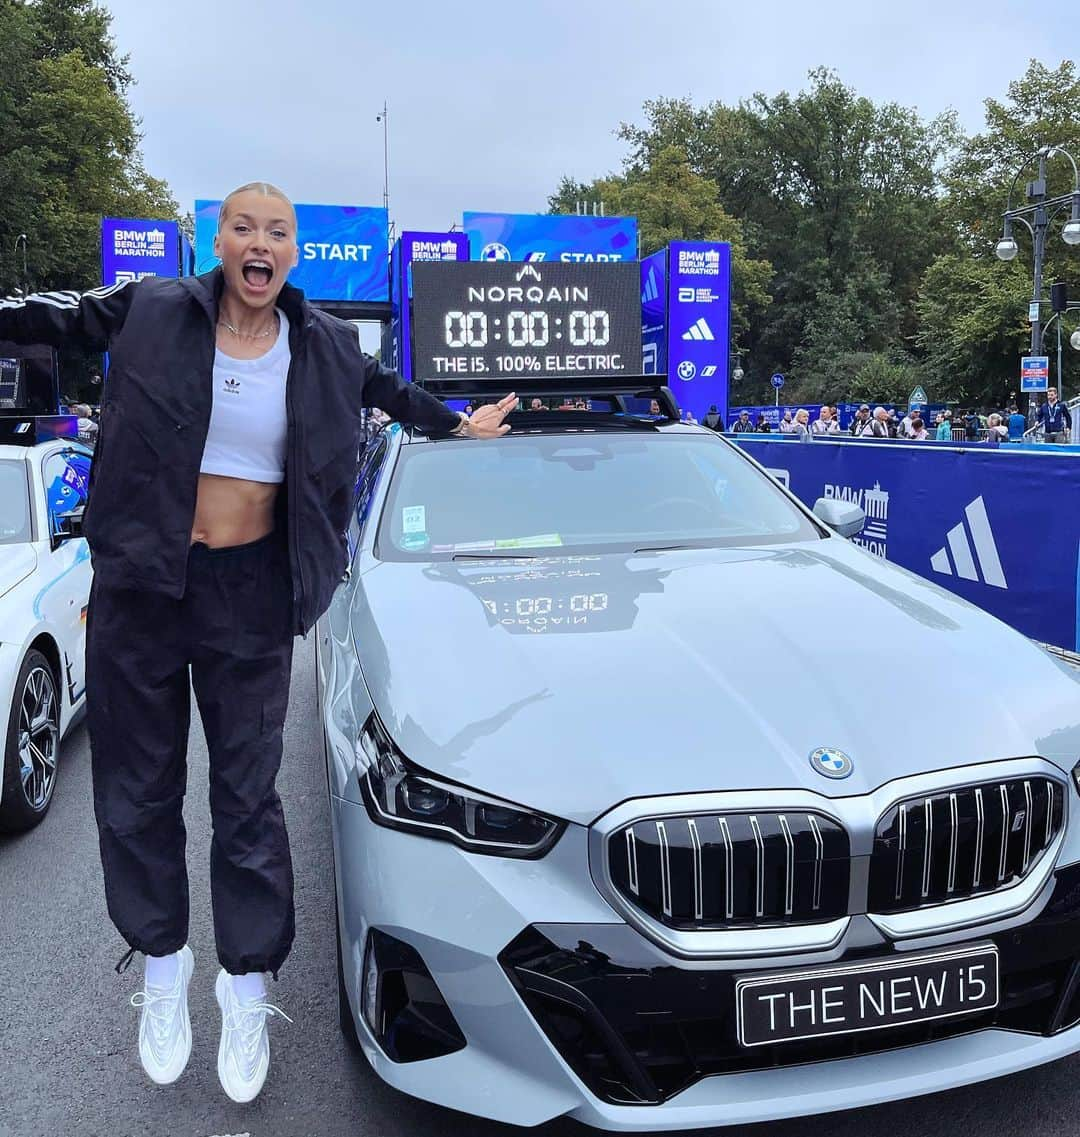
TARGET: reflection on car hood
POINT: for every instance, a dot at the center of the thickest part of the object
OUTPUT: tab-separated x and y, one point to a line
17	562
573	683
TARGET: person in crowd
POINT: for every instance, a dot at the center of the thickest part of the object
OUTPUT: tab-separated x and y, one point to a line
801	425
1054	418
213	546
763	426
972	425
88	429
917	431
787	425
996	430
743	423
904	429
860	421
944	429
891	423
825	423
713	420
1017	424
654	407
688	416
877	426
536	405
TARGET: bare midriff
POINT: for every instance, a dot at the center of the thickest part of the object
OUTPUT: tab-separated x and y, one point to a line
232	511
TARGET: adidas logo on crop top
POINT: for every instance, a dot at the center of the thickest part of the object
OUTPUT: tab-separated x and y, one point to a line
248	425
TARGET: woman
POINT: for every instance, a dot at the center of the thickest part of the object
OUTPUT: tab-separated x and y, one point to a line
801	426
944	429
917	431
220	492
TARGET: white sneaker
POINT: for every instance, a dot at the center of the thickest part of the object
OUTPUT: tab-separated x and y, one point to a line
244	1052
164	1027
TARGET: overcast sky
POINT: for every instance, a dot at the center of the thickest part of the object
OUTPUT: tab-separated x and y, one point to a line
492	101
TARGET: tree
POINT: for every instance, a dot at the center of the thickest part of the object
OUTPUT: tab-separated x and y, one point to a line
672	203
973	307
828	189
69	145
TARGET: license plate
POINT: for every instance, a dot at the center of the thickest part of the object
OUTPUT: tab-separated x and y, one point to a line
814	1002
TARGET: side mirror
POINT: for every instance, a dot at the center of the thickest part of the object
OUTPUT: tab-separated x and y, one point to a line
69	527
845	518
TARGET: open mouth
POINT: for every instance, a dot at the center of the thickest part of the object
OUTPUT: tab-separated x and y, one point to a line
258	274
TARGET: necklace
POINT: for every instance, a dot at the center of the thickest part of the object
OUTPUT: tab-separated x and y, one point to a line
249	335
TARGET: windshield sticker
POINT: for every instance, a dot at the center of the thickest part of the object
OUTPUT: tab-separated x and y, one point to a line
414	542
538	542
414	519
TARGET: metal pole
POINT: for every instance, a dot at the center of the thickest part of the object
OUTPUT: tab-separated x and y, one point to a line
384	118
1060	386
1040	248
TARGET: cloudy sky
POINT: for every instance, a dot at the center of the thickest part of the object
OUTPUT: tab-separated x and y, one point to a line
492	101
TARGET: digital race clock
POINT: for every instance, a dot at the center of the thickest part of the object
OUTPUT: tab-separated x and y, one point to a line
499	320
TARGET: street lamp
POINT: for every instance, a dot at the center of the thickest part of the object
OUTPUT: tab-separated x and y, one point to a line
1041	210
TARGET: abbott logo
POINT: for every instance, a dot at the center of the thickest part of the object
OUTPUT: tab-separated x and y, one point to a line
961	549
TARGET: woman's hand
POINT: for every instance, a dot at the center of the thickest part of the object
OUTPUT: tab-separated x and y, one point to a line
487	421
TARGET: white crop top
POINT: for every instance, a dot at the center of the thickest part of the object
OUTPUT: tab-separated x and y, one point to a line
247	419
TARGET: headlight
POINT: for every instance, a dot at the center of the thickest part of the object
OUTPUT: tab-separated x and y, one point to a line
400	796
1076	776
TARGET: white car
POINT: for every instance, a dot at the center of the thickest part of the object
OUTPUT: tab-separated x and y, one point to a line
44	594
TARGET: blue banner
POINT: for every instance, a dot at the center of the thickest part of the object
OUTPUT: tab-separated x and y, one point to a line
699	324
996	526
408	249
343	250
654	314
550	237
132	249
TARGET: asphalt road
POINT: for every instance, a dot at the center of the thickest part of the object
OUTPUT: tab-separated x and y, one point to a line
68	1058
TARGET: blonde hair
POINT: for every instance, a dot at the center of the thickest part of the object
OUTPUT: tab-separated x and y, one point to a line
265	188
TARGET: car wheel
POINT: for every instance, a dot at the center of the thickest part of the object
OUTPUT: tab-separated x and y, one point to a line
32	745
345	1015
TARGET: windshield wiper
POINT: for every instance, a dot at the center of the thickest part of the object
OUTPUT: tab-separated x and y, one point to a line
665	548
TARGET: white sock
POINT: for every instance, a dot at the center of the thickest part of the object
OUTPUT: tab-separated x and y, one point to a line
249	987
162	970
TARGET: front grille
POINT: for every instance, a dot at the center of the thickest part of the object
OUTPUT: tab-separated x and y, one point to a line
733	869
962	843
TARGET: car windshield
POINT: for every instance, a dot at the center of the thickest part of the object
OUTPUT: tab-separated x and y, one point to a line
14	502
581	493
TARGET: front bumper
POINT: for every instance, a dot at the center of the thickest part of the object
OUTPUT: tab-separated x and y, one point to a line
566	1009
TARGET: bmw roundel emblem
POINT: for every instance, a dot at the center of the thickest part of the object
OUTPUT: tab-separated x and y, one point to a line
495	251
831	763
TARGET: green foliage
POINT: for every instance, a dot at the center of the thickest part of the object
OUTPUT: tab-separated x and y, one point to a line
69	145
876	226
673	203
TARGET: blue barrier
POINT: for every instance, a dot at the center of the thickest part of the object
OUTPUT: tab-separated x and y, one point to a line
999	526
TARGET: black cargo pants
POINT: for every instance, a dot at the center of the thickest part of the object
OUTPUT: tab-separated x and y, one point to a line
229	638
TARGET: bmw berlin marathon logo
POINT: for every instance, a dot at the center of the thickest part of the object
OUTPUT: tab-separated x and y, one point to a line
831	763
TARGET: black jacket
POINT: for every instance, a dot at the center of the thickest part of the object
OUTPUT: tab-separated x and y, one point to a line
156	413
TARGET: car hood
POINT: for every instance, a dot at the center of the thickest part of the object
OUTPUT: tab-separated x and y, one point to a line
17	562
571	684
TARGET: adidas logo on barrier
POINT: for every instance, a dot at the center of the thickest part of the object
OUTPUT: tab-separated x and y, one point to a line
651	291
981	544
699	330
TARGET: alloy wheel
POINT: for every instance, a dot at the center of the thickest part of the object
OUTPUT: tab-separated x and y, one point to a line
39	738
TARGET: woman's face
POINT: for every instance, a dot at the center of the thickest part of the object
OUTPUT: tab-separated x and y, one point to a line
257	247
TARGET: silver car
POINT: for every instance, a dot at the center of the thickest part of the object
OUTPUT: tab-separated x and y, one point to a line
651	794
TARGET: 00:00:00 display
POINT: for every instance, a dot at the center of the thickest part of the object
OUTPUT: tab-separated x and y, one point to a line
528	329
